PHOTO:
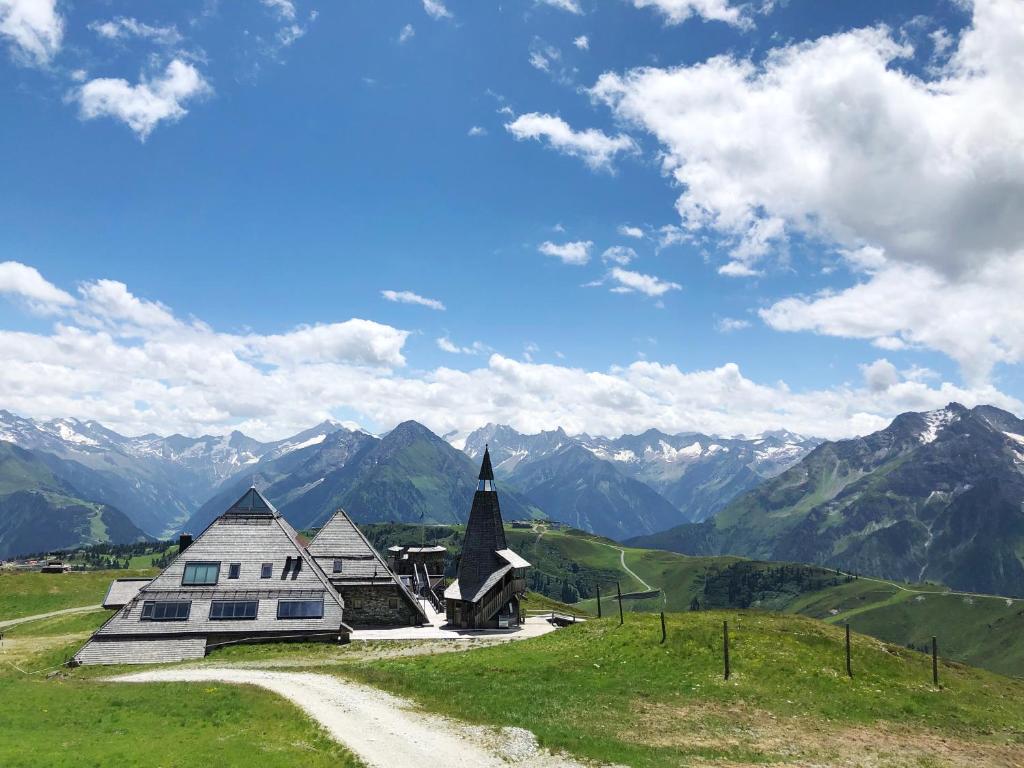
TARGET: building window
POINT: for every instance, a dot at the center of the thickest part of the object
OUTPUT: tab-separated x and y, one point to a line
234	570
234	609
266	570
337	566
392	602
165	610
200	574
357	604
300	609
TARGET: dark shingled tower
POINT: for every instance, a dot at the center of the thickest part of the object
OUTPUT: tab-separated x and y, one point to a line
485	534
490	578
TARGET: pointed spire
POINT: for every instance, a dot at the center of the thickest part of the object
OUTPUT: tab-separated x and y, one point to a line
486	473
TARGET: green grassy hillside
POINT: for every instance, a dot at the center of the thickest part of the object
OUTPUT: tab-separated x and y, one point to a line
617	694
29	594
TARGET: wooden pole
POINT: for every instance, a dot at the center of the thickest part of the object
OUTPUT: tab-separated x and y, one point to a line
663	626
619	591
725	646
599	601
849	669
935	661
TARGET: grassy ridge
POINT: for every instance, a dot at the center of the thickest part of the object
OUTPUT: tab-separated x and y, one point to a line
29	594
617	694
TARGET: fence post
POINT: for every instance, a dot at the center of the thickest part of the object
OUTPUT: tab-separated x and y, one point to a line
849	669
725	646
935	660
599	601
663	626
619	591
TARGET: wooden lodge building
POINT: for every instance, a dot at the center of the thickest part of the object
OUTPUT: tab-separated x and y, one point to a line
491	578
373	595
246	578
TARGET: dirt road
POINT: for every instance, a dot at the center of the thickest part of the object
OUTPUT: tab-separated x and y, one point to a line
382	730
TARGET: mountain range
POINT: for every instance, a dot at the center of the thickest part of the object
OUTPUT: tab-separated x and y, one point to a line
936	495
619	487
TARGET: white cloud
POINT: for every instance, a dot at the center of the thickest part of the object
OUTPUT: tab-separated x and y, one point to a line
33	28
572	6
436	9
285	9
731	324
25	282
596	148
124	27
880	375
977	320
132	364
678	11
408	297
832	139
627	231
406	34
582	42
576	253
477	130
630	282
144	105
618	254
445	344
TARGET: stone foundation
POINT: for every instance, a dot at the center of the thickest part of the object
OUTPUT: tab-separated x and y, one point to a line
377	605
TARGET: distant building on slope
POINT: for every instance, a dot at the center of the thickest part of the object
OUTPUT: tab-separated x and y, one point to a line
246	578
372	593
491	577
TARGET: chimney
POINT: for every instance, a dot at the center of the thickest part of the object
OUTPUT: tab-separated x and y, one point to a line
184	542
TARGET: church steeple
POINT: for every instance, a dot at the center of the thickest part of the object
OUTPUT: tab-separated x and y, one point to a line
486	476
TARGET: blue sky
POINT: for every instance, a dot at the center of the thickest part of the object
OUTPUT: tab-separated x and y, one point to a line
818	239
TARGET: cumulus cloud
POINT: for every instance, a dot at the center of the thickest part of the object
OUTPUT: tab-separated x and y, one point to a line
831	138
136	366
436	9
678	11
977	320
618	254
595	148
33	28
25	282
908	177
408	297
630	282
407	34
144	105
576	253
477	130
124	27
627	231
582	42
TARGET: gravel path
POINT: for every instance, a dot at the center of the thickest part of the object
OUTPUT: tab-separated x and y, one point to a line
81	609
382	730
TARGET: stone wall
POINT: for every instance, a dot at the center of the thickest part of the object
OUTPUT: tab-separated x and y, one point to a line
377	605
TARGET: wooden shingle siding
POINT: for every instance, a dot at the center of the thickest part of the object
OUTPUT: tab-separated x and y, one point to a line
153	651
123	591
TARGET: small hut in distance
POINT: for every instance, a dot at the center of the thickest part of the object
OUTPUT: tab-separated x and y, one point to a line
491	578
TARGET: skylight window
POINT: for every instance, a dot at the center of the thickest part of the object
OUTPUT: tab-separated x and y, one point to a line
266	570
337	566
200	574
234	570
165	610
